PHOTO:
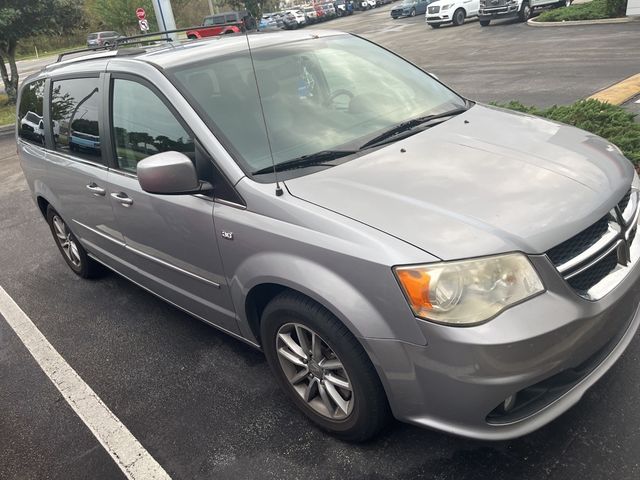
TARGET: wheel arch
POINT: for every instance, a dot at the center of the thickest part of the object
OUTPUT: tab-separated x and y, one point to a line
261	277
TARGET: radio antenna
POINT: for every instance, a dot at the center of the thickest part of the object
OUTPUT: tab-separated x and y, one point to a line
279	190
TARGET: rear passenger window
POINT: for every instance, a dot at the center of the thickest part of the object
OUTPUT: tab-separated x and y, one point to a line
143	125
75	109
30	122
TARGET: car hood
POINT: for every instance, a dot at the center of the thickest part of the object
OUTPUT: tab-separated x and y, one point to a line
486	181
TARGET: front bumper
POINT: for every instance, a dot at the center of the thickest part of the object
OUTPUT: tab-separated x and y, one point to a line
506	11
555	345
442	18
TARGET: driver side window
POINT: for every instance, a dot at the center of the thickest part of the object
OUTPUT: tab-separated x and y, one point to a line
143	125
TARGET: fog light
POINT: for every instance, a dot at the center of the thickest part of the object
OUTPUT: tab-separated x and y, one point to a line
509	403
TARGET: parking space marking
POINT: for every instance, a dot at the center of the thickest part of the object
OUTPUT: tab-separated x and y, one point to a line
134	461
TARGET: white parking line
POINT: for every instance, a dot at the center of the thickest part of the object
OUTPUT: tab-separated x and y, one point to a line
126	451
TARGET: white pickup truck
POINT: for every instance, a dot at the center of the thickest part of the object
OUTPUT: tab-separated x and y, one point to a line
450	11
496	9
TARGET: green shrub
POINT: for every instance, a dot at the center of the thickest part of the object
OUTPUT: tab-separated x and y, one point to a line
616	8
608	121
593	10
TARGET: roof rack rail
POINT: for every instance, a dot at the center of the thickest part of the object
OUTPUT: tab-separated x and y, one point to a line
163	36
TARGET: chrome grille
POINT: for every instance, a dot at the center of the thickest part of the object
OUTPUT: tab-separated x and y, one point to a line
579	243
587	259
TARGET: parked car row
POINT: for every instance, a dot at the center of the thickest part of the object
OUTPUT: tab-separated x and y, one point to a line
303	15
440	12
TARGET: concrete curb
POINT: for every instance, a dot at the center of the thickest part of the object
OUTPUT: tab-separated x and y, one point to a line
603	21
620	92
6	130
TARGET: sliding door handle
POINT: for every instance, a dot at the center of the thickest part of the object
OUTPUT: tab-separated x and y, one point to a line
123	199
96	190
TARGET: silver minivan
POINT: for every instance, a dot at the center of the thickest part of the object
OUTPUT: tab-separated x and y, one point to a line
392	247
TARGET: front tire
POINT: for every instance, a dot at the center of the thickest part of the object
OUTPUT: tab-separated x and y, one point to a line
73	253
458	17
485	23
413	12
525	12
322	368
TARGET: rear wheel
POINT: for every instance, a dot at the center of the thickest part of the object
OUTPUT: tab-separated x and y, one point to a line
72	252
458	17
322	368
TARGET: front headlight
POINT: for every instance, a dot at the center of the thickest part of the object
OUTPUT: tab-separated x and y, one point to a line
447	7
469	291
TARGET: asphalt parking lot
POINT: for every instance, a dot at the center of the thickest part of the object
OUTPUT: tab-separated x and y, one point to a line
508	60
205	406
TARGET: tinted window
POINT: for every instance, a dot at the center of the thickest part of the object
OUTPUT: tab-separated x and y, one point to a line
143	125
31	126
218	20
75	107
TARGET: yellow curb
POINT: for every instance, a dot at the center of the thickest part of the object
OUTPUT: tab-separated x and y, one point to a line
620	92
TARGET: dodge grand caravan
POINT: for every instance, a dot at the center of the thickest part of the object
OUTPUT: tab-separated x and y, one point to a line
391	246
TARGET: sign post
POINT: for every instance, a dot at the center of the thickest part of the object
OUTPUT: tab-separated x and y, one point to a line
143	23
164	14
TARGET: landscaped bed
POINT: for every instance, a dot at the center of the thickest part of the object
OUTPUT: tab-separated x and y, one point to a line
594	10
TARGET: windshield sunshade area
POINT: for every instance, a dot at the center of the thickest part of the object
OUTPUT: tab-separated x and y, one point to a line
321	94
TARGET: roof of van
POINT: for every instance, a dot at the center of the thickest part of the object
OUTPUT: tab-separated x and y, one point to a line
179	53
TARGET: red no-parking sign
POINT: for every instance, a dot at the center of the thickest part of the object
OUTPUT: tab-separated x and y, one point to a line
140	13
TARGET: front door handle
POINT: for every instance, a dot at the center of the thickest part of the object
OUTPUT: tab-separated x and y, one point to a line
96	190
122	197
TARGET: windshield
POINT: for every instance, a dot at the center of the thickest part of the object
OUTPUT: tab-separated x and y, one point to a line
319	94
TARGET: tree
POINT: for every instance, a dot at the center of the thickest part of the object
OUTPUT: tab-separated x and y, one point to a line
25	18
120	15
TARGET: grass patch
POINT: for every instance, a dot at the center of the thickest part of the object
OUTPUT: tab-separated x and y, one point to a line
45	53
7	112
593	10
605	120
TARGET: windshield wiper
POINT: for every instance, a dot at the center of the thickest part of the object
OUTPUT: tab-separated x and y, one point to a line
306	160
407	126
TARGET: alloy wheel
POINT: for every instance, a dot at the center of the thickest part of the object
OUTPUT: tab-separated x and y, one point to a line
67	241
314	371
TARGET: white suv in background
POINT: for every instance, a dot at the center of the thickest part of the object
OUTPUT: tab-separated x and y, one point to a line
451	11
299	16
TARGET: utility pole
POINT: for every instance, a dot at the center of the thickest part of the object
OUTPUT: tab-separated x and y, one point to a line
211	12
164	14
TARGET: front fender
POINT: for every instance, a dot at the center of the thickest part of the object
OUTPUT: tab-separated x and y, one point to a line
343	299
